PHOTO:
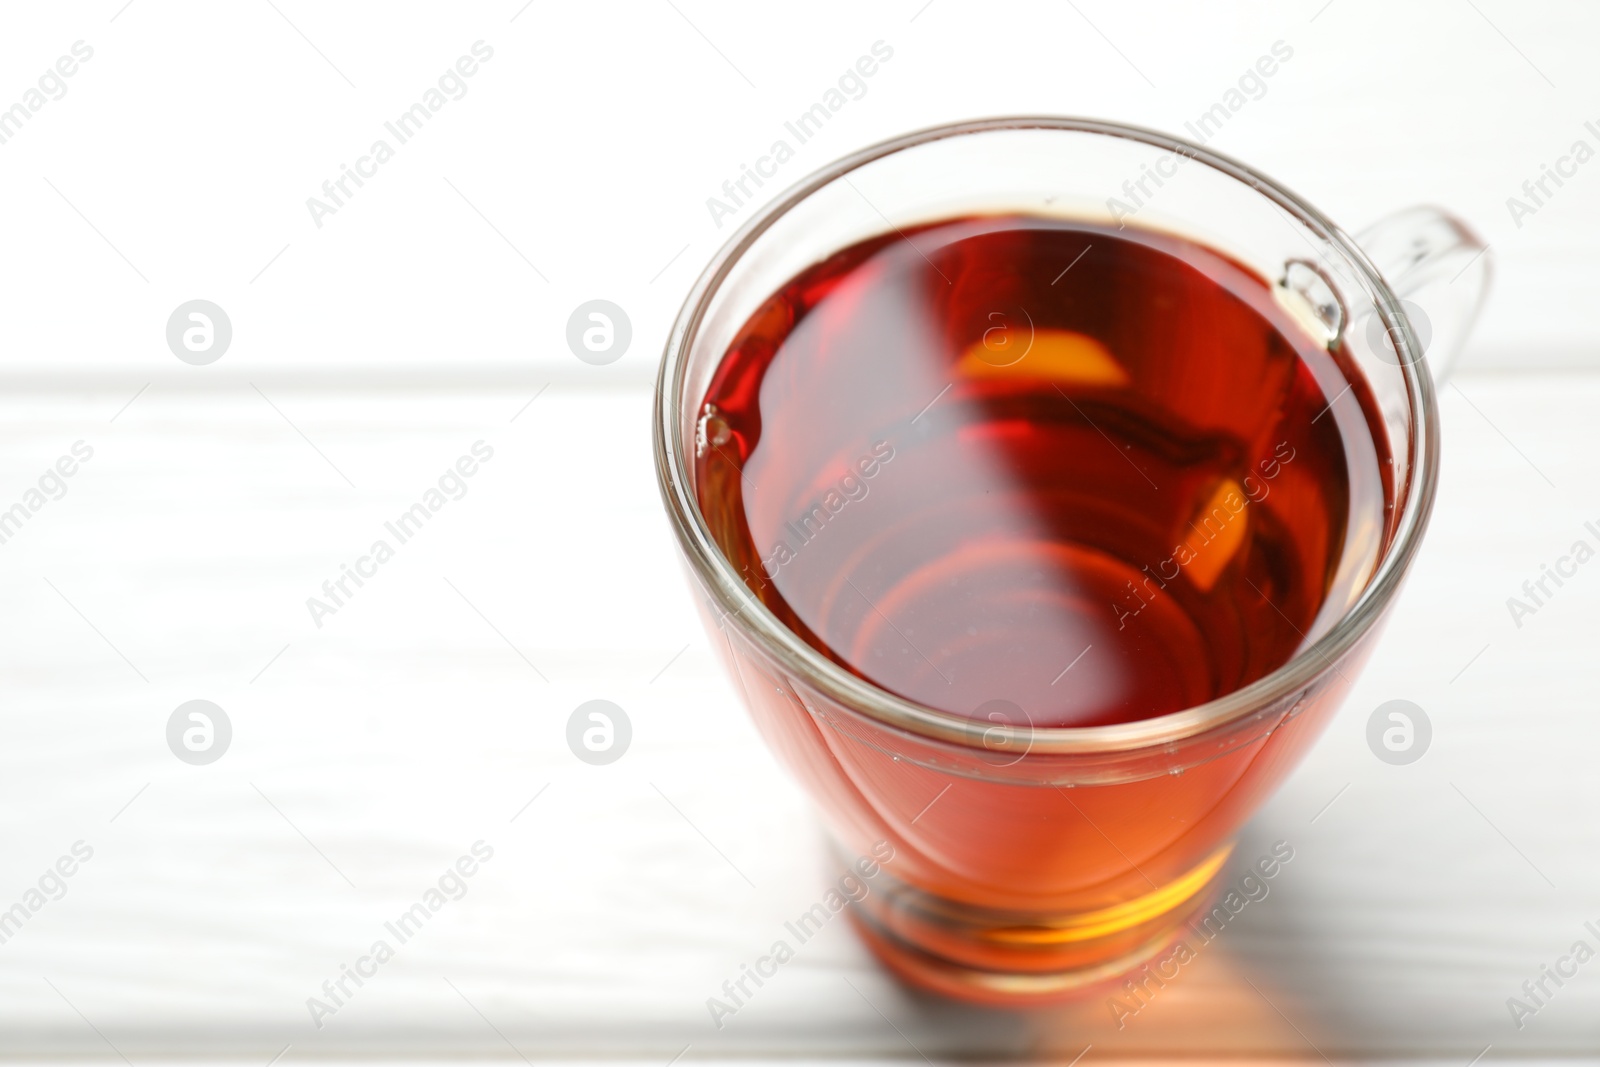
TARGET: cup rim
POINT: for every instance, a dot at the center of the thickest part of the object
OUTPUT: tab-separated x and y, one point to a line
859	696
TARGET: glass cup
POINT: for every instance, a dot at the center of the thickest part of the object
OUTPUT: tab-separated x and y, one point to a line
1029	864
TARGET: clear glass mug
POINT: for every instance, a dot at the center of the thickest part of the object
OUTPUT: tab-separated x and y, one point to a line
1032	863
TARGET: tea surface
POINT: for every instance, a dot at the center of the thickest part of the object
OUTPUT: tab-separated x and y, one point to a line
1014	465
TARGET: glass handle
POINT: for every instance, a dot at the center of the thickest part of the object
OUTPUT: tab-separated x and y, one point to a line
1440	270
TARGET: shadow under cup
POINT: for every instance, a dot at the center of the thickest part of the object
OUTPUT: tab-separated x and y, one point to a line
1029	863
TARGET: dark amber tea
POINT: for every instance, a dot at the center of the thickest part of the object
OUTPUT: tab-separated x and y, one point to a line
1088	474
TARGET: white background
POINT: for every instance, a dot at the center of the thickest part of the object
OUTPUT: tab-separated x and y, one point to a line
593	138
371	352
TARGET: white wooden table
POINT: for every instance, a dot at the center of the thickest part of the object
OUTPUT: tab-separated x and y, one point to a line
422	717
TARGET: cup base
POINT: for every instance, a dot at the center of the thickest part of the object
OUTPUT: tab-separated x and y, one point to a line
1014	959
